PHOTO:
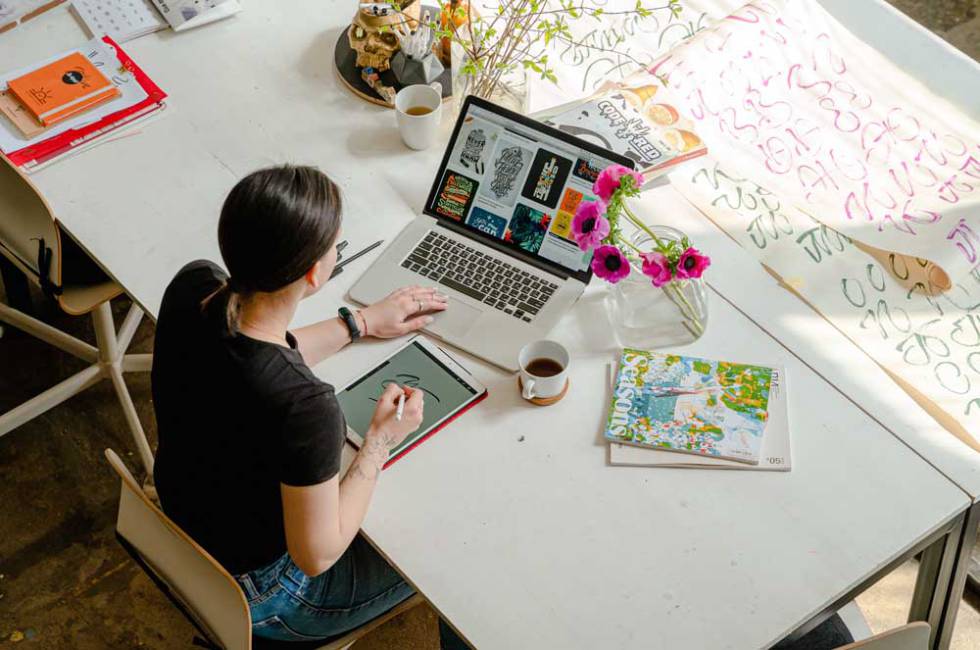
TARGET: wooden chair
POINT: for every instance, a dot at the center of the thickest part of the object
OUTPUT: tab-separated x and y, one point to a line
914	636
207	595
34	242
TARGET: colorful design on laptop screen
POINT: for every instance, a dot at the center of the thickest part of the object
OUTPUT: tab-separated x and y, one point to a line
517	184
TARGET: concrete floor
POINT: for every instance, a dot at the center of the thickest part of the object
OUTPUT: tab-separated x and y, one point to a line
65	582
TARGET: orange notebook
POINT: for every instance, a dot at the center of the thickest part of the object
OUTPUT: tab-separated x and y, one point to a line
62	89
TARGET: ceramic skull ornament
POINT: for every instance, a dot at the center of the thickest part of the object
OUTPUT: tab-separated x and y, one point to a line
372	35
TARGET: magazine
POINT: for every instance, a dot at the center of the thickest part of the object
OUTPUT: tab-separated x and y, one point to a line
690	405
776	454
630	118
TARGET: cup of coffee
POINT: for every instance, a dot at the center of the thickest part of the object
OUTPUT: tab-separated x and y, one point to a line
544	370
418	110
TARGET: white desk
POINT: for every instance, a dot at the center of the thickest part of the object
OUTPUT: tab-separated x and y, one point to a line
520	544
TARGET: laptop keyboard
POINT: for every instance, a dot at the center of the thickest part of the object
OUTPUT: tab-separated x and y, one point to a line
479	276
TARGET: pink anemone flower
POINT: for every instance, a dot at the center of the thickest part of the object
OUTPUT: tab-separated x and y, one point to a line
692	264
610	178
610	264
657	267
590	226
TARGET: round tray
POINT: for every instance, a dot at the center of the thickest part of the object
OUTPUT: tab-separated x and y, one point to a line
344	58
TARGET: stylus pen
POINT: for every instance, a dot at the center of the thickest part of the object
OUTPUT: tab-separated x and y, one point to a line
401	407
337	270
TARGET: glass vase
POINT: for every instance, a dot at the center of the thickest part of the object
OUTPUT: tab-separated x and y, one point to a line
509	89
649	317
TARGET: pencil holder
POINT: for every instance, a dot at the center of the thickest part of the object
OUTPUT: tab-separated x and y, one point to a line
410	70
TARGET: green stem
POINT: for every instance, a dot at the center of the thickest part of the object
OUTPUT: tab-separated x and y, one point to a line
642	226
630	244
691	315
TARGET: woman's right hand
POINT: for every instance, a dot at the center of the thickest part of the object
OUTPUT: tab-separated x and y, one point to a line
384	424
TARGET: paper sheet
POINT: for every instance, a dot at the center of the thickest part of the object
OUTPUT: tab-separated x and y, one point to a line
788	97
930	344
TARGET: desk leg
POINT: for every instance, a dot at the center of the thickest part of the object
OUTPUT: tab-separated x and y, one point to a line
942	628
936	566
932	585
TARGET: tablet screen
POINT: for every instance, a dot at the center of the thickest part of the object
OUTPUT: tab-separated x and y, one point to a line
415	367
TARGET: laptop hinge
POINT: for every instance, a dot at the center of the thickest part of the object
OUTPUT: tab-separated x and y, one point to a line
527	258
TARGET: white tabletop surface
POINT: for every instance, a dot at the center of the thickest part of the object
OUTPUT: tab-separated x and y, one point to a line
533	543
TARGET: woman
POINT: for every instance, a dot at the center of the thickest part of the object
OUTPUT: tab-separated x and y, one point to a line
250	440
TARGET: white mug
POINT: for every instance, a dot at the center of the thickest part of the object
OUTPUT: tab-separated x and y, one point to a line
419	131
535	385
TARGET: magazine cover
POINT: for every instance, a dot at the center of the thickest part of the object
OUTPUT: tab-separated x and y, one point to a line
690	405
776	454
631	118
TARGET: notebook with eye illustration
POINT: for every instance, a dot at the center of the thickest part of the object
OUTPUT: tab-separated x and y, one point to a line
450	390
61	89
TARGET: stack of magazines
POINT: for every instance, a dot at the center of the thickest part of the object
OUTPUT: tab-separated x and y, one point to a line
668	410
135	98
631	118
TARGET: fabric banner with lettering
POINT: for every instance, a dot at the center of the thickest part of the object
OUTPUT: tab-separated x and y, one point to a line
786	96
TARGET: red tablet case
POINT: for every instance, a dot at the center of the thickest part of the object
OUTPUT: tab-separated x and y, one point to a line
436	429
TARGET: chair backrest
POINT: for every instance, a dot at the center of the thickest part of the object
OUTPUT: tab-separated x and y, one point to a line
209	593
914	636
25	219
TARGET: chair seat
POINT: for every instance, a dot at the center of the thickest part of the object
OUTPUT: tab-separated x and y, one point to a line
81	299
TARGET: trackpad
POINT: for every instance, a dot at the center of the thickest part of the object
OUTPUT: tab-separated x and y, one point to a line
456	320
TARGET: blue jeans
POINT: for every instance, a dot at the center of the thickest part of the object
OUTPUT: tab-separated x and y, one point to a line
287	605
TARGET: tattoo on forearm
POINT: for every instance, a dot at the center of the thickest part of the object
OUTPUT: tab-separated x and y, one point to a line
372	457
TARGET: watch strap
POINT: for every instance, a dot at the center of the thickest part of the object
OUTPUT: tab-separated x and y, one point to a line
348	317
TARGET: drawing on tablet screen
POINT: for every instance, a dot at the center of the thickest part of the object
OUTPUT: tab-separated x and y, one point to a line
407	379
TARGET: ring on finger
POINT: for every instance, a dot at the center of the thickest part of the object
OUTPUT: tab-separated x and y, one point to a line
420	304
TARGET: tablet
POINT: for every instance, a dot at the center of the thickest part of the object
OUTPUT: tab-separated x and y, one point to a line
449	390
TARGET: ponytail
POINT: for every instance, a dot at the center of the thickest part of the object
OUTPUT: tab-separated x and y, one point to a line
224	306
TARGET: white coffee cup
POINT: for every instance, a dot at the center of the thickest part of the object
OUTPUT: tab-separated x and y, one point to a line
419	131
534	358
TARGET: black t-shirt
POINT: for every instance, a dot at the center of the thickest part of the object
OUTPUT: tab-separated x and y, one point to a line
235	417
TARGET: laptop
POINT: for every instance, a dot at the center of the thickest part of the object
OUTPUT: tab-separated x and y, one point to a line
495	233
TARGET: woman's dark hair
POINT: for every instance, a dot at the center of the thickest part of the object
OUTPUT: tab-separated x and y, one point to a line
275	225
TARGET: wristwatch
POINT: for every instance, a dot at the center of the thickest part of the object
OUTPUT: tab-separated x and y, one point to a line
348	317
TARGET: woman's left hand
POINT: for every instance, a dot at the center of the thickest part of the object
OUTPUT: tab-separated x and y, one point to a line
403	311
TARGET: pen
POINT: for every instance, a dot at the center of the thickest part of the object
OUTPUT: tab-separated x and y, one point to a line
337	270
401	407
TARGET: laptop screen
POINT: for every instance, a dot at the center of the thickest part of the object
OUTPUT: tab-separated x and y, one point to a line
517	181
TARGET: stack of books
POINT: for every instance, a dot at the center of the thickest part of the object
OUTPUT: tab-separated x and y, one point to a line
669	410
68	102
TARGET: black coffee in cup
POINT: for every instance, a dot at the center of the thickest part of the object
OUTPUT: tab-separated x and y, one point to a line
544	367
